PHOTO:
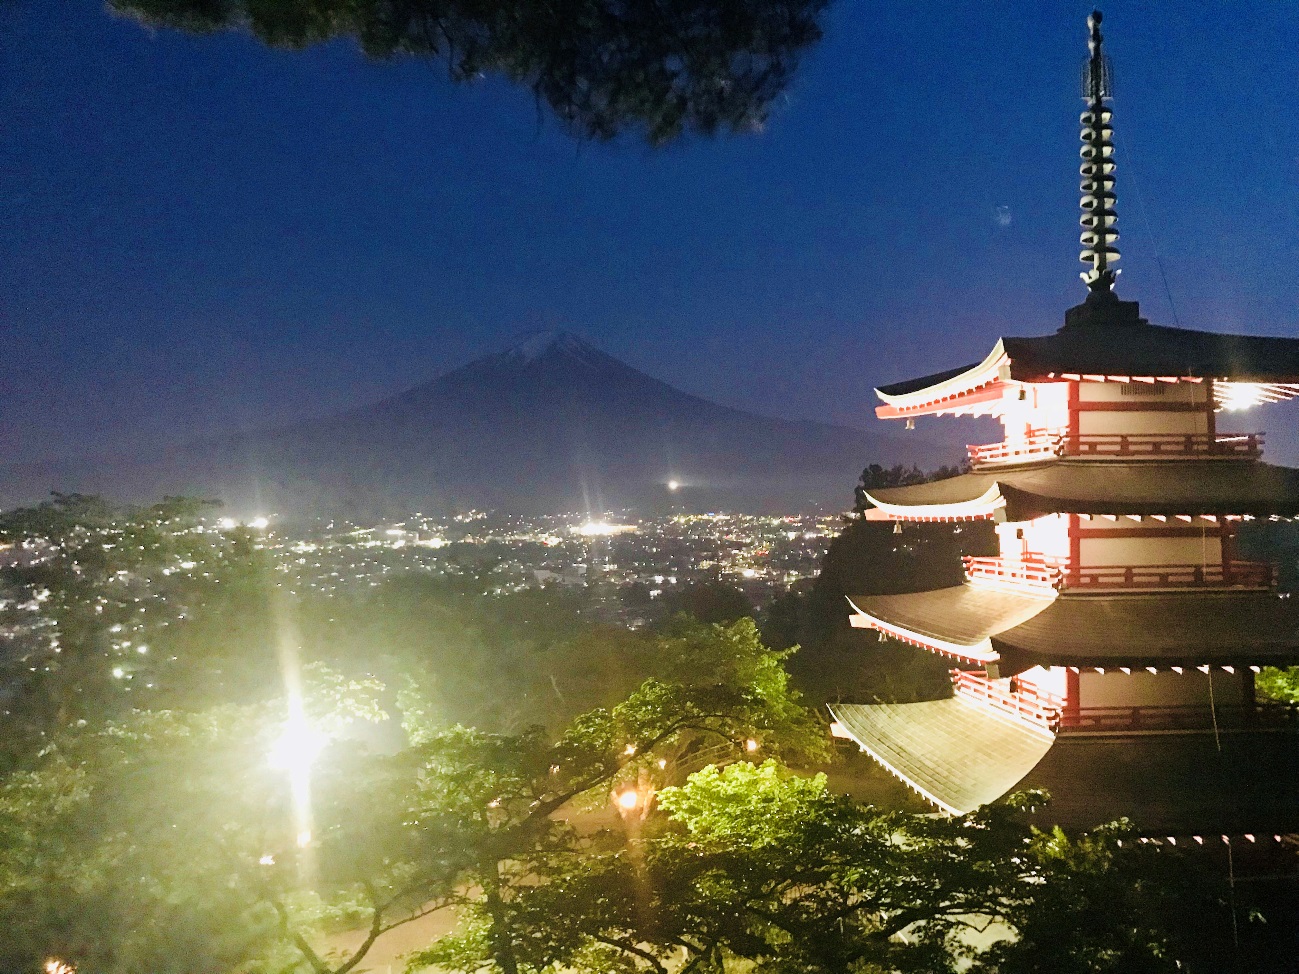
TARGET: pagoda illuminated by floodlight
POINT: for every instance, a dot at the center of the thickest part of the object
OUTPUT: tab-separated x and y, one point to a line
1118	612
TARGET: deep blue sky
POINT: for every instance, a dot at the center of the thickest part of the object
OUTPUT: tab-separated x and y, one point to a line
198	233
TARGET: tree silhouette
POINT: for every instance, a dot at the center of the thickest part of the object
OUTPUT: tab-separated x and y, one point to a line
658	67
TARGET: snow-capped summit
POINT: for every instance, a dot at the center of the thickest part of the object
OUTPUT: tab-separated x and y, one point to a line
553	342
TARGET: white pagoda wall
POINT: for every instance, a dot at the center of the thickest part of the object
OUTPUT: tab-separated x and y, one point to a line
1048	537
1150	551
1050	679
1141	688
1044	406
1157	419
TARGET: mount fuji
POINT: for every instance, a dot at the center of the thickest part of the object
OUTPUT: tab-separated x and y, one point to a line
551	424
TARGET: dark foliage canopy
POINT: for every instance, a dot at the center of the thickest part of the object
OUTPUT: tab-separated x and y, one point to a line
658	67
711	602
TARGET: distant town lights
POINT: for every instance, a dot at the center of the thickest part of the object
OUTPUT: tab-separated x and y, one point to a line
599	529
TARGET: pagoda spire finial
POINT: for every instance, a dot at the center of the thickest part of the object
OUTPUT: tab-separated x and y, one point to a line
1097	170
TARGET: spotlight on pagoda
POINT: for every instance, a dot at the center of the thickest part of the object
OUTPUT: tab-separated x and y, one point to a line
1239	396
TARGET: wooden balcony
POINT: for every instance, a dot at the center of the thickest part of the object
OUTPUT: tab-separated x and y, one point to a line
1041	445
1245	446
1026	702
1235	574
1037	573
1029	572
1038	445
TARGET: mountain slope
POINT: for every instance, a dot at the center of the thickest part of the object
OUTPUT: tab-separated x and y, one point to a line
551	424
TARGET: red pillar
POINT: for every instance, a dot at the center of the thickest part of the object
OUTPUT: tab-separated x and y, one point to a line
1072	701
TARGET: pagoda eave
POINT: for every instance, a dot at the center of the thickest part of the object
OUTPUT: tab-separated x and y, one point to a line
957	391
977	508
1144	352
959	622
1163	630
1154	488
1246	370
982	401
954	753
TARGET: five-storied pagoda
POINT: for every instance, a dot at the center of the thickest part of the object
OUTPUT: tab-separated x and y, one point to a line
1109	653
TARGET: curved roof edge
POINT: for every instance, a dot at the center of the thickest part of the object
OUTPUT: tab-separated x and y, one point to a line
1181	488
978	508
902	624
942	391
1265	367
955	754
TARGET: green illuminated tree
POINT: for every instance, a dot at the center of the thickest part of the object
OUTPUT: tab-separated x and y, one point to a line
167	841
754	869
655	68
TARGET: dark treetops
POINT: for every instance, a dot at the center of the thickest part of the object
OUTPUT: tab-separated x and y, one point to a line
657	68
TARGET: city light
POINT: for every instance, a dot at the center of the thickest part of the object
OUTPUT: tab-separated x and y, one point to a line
674	485
259	523
298	747
597	529
628	800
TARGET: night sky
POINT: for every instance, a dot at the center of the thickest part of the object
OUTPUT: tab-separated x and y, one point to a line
199	234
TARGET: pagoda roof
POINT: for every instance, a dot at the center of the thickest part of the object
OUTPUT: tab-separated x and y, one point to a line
954	752
1162	629
959	755
1153	350
959	621
1177	487
924	382
1114	352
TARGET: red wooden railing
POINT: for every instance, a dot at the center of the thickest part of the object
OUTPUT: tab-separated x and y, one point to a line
1246	445
1234	574
1043	573
1041	444
1027	701
1037	445
1026	571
